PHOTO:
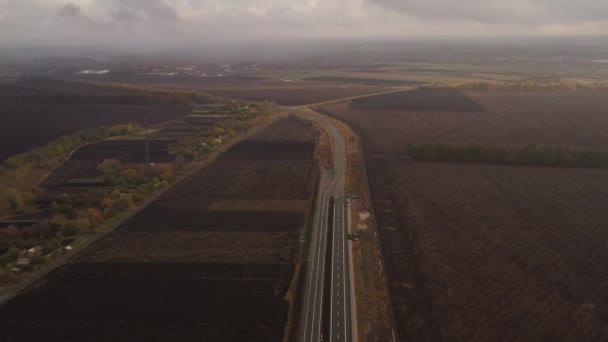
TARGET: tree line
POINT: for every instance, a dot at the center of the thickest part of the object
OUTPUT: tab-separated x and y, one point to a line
522	155
16	173
197	97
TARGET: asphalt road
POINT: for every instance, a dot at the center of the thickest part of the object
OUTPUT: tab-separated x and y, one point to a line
337	297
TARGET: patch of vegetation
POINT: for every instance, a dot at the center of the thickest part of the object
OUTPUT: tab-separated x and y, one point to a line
119	186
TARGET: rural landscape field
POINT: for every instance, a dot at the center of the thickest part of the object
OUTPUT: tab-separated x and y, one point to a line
473	244
208	263
303	171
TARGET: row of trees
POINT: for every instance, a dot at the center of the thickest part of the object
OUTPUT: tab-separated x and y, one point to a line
20	174
197	97
527	155
40	156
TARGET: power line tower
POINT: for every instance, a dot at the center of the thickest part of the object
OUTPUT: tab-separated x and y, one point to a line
146	141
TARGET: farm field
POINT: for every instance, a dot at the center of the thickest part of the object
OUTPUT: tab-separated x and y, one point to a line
557	118
70	170
483	253
185	268
44	123
257	179
419	100
284	91
442	72
477	252
195	246
158	301
126	151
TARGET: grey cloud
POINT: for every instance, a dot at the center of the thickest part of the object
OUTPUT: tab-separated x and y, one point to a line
528	12
157	23
141	10
69	10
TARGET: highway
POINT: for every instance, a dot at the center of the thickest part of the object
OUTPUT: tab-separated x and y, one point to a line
330	303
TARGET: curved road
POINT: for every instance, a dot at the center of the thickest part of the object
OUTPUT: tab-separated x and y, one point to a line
318	298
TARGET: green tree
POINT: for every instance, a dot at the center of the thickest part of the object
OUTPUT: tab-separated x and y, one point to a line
15	199
110	168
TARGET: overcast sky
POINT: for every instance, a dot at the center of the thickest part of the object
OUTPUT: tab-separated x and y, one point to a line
182	22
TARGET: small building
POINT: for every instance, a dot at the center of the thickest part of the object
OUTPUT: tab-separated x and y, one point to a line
22	262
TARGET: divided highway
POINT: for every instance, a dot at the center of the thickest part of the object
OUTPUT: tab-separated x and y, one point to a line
319	302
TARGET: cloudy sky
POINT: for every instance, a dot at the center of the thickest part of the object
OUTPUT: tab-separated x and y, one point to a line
179	22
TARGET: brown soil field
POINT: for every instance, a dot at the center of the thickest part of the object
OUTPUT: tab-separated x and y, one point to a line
271	150
250	179
26	126
177	215
70	170
259	205
126	151
486	253
189	246
439	100
565	118
150	302
559	118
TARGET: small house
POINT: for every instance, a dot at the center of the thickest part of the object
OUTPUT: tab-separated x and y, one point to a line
22	262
